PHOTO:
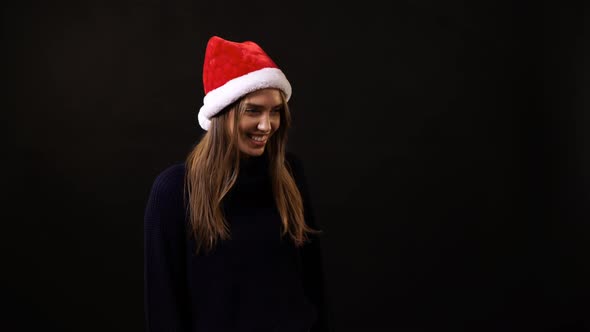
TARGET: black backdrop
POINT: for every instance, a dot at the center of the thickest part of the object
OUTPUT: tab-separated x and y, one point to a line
445	143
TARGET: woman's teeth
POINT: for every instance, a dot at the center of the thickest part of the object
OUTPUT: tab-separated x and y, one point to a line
257	138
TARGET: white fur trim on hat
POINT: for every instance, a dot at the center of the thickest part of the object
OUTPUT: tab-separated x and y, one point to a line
235	88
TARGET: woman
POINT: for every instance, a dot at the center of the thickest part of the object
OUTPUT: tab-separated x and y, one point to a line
231	243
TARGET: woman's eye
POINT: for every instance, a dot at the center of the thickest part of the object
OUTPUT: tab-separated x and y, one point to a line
257	111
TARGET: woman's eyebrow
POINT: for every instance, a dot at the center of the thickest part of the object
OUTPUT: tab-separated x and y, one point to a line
253	105
262	106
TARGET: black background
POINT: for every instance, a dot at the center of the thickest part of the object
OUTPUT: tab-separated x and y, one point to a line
445	143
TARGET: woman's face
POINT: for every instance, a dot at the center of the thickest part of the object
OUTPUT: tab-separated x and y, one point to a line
259	122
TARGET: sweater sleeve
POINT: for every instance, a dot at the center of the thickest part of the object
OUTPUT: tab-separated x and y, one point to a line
165	289
313	275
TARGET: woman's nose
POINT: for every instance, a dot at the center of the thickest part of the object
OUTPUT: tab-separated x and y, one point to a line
264	123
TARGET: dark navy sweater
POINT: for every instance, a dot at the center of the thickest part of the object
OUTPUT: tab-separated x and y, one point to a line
256	281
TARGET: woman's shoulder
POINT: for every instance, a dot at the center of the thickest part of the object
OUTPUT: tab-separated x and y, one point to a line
165	208
170	179
295	163
293	159
174	171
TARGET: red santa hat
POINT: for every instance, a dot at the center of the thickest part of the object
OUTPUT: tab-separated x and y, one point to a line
232	70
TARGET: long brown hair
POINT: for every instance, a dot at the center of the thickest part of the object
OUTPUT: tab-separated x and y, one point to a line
212	169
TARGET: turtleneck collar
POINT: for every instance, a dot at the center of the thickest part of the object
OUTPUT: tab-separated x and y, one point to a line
253	186
254	164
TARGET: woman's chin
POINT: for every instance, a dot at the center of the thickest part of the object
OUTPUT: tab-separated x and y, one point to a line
250	152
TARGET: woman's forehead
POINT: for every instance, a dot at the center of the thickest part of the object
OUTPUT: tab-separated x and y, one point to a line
264	97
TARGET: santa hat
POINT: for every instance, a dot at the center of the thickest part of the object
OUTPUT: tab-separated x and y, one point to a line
232	70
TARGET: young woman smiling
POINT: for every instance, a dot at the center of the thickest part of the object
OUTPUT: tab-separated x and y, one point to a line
231	242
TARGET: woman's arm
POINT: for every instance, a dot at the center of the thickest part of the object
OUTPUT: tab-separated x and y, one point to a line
165	290
314	280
